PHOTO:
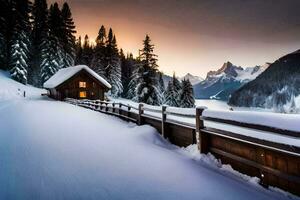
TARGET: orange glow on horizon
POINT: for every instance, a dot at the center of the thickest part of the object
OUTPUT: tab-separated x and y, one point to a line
195	42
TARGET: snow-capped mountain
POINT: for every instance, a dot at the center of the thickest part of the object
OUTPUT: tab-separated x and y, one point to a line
221	83
277	87
193	79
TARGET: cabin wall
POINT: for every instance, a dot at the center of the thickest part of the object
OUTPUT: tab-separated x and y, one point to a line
71	89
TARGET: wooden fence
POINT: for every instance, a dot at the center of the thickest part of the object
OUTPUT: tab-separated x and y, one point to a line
275	164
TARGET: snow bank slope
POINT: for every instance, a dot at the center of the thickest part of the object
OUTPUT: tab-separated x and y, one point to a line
53	150
10	89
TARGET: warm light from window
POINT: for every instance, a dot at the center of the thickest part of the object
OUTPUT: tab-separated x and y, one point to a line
82	84
82	94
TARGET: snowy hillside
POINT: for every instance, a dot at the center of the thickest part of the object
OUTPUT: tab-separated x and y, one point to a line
10	89
276	88
221	83
54	150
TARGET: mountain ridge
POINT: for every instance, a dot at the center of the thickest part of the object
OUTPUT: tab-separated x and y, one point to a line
277	87
221	83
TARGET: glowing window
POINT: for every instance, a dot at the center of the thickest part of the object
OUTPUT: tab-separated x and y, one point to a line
82	94
82	84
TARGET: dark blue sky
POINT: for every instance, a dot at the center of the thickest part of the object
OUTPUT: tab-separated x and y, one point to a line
196	35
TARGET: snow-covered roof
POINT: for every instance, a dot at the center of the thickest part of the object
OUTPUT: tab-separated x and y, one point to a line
64	74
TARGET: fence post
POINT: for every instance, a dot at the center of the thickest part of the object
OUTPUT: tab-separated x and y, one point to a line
141	111
163	121
202	138
113	107
120	107
106	107
98	105
128	111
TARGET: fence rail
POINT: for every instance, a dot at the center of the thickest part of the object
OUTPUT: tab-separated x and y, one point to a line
276	164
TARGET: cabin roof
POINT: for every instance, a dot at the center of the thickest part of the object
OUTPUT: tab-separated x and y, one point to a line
64	74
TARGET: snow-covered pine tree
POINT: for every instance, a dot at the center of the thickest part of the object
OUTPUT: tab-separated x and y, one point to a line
3	55
38	36
20	43
113	65
161	85
68	38
161	81
293	107
98	61
56	28
172	93
187	99
19	58
145	76
135	78
124	72
4	17
51	56
127	67
52	51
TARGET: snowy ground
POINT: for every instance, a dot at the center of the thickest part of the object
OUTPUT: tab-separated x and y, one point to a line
54	150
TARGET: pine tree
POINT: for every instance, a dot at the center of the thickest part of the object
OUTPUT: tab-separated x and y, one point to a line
55	35
133	82
101	38
38	36
145	76
172	94
18	59
51	57
20	43
3	55
113	65
161	82
87	52
4	16
68	38
127	67
52	53
98	61
79	52
187	99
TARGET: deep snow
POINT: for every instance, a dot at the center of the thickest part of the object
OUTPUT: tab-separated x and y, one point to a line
54	150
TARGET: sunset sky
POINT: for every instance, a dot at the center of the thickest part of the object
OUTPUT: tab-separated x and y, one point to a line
196	36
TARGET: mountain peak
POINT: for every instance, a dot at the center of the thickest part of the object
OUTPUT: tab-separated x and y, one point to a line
193	79
227	68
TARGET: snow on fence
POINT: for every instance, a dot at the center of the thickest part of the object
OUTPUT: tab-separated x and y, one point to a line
257	144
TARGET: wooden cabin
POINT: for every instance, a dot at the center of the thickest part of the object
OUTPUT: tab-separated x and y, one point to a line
79	82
